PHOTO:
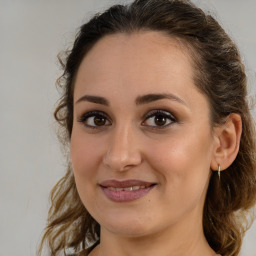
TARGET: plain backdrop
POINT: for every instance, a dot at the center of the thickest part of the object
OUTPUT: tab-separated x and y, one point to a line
31	34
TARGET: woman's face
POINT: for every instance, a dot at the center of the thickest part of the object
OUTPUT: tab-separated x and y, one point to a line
141	145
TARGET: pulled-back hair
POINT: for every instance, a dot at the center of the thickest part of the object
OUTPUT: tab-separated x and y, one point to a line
218	73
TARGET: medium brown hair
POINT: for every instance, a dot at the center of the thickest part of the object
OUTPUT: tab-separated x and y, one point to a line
218	73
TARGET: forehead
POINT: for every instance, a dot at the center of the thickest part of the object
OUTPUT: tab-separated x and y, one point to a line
150	45
122	67
143	55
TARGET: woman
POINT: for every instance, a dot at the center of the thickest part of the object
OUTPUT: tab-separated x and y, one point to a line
162	143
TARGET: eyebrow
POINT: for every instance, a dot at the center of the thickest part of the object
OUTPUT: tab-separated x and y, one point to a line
140	100
94	99
154	97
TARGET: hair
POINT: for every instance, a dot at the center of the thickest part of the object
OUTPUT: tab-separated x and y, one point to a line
219	74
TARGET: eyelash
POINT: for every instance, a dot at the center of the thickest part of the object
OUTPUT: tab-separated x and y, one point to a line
164	114
84	118
152	114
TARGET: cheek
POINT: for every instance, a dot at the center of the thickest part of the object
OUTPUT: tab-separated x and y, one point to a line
85	158
183	161
84	154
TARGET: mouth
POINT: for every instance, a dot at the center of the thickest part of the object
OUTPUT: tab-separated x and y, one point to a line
127	188
126	191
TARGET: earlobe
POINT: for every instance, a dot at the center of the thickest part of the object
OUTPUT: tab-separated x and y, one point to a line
227	141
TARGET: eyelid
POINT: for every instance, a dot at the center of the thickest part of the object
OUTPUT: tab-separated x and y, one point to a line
162	112
159	111
91	113
85	116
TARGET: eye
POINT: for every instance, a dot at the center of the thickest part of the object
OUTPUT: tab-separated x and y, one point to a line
159	118
94	119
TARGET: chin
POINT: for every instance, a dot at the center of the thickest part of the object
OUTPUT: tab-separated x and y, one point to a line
129	231
128	226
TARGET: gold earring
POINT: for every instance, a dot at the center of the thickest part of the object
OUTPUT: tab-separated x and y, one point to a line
219	169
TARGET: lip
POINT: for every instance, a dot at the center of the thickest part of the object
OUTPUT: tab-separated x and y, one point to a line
127	190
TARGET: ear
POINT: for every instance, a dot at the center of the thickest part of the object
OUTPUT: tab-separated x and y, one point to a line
226	142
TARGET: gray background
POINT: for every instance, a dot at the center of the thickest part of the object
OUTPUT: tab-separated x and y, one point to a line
31	34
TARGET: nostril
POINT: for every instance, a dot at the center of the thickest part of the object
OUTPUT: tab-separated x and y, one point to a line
122	161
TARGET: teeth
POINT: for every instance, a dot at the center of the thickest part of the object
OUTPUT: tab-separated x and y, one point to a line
127	189
111	188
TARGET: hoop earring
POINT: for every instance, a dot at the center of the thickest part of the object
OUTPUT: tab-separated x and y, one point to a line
219	169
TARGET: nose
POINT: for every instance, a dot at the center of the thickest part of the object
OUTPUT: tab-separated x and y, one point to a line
123	151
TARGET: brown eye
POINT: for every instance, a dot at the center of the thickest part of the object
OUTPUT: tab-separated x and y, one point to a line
99	120
94	119
160	120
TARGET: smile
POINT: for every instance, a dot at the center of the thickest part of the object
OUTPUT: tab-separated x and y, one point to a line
126	191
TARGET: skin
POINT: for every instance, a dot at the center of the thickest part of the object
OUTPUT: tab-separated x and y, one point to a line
177	156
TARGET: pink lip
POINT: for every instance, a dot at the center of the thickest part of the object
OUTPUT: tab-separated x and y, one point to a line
124	195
